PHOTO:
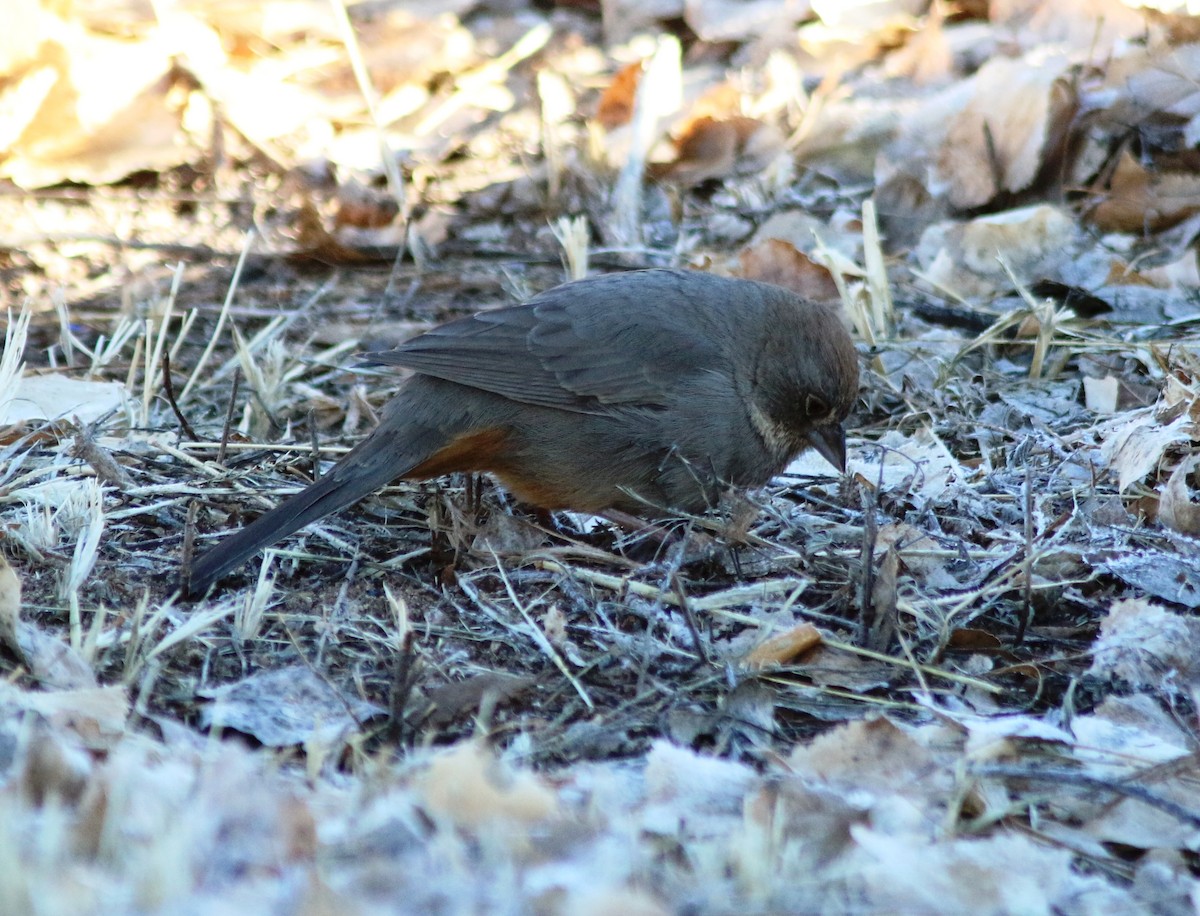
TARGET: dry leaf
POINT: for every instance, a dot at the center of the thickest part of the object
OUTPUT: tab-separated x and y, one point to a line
470	787
617	902
54	396
688	784
284	707
1012	121
926	57
317	243
1161	80
918	464
457	698
776	261
26	26
883	601
616	102
875	754
814	820
1139	200
738	20
1100	394
91	108
362	207
1134	444
1176	508
54	768
903	872
709	148
782	648
963	257
1094	25
1145	645
97	715
10	604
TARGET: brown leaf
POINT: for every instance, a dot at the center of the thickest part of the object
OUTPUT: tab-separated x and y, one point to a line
363	207
970	638
883	600
1139	200
616	102
1031	240
778	262
460	697
711	148
998	141
469	786
317	243
783	647
1176	507
926	57
91	108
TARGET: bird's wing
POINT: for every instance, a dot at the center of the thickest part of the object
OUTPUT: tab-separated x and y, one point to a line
619	339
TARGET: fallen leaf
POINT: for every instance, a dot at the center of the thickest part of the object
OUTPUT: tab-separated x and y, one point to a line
284	707
1013	120
1176	507
1143	644
616	102
55	396
964	256
1100	394
457	698
1133	445
470	787
783	647
1138	199
778	262
97	715
92	108
709	148
738	20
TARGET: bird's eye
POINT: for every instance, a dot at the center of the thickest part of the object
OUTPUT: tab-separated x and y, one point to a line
815	407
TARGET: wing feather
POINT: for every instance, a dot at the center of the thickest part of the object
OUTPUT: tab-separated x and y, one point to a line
589	346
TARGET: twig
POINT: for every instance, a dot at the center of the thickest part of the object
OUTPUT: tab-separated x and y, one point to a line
1069	777
169	391
907	663
539	637
690	617
228	425
314	442
870	534
714	603
1027	560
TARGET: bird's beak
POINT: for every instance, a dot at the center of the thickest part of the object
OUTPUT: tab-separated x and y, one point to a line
830	443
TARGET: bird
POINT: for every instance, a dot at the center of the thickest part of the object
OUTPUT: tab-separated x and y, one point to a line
646	392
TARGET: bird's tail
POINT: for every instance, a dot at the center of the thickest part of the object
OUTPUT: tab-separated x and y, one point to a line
373	463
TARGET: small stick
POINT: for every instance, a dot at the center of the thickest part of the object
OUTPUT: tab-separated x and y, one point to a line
189	541
870	535
237	381
1027	564
169	391
316	447
690	616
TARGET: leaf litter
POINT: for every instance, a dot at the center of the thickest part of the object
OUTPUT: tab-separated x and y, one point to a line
959	678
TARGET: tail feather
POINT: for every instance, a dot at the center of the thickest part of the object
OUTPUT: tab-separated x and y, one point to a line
371	465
